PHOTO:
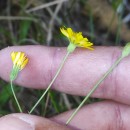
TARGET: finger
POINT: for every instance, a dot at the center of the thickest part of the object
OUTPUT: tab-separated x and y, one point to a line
81	71
104	115
28	122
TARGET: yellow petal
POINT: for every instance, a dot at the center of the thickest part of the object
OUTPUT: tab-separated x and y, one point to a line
24	63
64	32
76	38
13	55
19	60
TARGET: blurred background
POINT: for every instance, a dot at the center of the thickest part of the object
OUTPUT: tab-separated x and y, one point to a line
37	22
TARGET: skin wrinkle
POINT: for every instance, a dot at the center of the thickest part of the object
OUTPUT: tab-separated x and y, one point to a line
49	76
123	80
109	115
46	69
52	64
58	55
112	77
55	63
118	118
104	84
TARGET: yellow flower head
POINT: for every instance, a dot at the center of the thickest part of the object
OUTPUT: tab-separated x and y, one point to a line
76	38
19	62
19	59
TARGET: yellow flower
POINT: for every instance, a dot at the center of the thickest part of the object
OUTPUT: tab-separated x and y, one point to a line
19	62
76	38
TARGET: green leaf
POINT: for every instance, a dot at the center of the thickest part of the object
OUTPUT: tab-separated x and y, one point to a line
24	29
5	95
116	3
53	98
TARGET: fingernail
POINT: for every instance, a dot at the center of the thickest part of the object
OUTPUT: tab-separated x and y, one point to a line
13	122
26	123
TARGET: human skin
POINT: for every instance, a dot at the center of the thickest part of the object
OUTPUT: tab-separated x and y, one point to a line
81	71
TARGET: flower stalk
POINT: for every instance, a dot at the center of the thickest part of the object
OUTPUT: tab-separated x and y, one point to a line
19	62
125	52
12	89
56	75
75	40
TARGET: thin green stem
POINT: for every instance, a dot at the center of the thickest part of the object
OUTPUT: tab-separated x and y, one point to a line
57	73
110	25
94	88
46	104
119	26
91	23
11	83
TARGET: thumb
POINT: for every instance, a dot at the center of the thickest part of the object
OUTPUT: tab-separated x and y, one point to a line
28	122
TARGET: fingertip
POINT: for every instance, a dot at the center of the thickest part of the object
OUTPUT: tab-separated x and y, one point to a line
13	123
5	63
35	69
22	121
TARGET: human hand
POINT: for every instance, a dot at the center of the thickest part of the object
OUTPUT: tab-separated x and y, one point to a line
81	71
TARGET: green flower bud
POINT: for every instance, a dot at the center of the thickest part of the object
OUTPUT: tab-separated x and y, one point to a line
126	50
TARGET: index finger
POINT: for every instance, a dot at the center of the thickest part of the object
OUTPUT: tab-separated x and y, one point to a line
80	72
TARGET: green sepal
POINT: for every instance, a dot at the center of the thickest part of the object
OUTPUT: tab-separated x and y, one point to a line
126	50
14	73
71	47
